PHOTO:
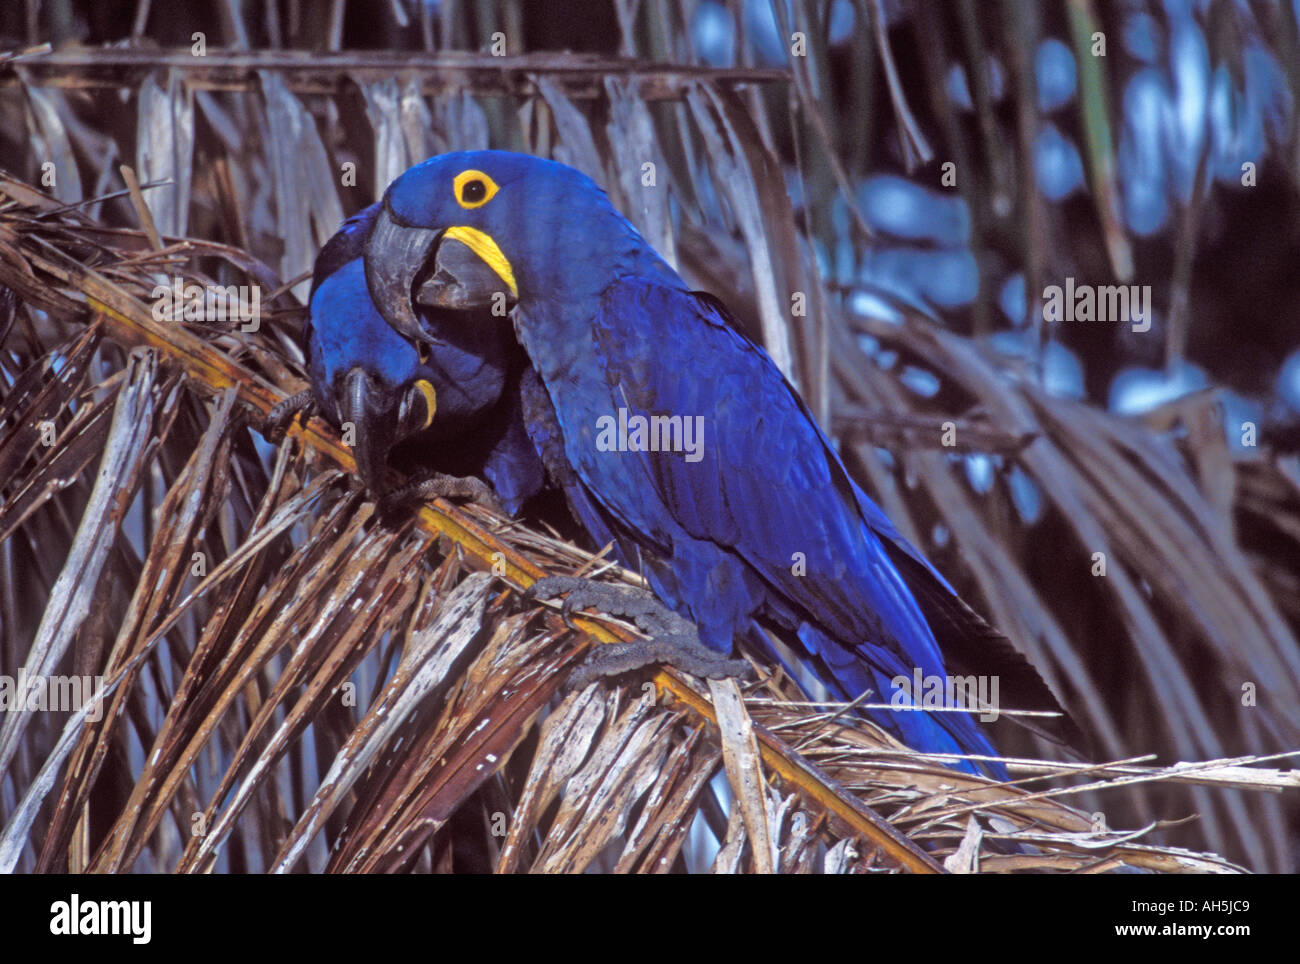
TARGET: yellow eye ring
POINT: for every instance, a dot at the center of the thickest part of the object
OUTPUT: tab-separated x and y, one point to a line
473	189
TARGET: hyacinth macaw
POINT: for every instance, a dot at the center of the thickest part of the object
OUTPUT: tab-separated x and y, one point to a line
456	408
740	513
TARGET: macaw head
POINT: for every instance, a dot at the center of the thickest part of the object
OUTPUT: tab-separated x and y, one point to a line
368	379
491	229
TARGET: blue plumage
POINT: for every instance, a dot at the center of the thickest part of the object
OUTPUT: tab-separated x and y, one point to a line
762	524
475	373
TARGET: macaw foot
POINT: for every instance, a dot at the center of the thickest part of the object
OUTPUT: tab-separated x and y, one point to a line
674	639
436	485
281	416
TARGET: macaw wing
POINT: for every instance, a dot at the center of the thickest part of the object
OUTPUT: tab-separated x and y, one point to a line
767	484
750	471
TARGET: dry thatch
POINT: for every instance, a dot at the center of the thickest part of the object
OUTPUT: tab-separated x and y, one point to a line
294	686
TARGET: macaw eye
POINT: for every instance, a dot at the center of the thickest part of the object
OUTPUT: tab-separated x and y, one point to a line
419	403
473	189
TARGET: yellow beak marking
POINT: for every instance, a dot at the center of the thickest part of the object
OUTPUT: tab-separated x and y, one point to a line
430	399
486	248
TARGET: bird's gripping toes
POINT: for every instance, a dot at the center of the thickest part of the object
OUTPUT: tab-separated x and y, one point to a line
674	639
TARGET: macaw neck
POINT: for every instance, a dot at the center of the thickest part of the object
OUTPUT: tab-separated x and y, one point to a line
555	315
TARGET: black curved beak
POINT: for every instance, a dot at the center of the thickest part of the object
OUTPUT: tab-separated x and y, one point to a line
364	406
395	255
458	268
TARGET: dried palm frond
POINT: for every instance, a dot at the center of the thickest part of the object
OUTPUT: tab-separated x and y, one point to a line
220	673
295	686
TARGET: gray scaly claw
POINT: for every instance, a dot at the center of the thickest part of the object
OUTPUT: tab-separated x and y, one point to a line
279	418
438	485
674	639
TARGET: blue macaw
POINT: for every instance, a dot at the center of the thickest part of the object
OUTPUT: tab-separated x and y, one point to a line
456	408
681	439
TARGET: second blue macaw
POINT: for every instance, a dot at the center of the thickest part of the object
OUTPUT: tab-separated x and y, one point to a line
454	410
684	442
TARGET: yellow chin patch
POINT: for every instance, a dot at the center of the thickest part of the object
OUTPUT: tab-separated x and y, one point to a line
430	399
483	246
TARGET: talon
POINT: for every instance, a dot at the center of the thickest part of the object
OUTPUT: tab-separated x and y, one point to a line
566	612
438	485
674	639
276	424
